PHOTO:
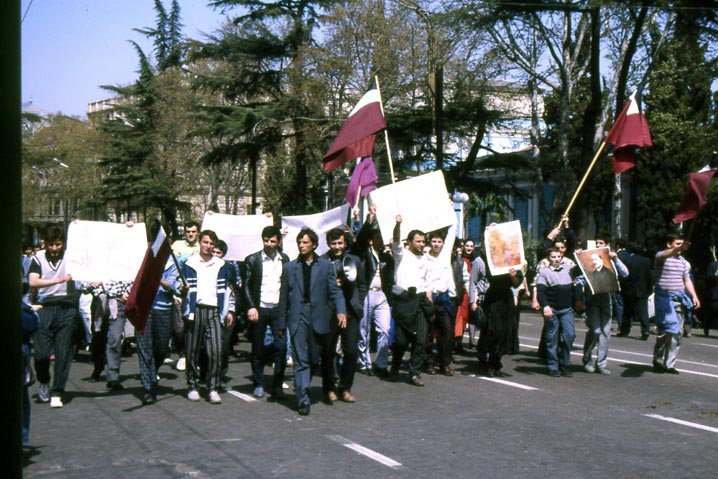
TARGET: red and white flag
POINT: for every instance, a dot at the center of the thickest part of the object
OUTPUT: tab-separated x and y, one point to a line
362	182
696	195
147	281
357	136
630	131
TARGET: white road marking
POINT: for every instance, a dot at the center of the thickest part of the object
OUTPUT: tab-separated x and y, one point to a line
244	397
704	344
683	423
224	440
509	383
626	361
651	356
380	458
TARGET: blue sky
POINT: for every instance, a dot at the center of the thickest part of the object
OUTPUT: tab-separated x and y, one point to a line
71	47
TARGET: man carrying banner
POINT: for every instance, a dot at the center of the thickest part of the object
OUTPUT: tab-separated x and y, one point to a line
261	293
413	308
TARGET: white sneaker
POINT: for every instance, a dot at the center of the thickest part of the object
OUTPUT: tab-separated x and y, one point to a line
214	398
285	386
55	402
193	395
289	361
181	364
43	393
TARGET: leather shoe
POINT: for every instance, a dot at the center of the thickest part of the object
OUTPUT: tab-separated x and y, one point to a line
430	370
115	386
500	374
658	368
381	372
348	397
148	398
303	410
671	371
394	374
330	397
95	377
644	337
447	371
366	371
416	381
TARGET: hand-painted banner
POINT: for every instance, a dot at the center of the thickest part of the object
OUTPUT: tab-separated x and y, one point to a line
100	251
422	202
504	247
243	234
320	223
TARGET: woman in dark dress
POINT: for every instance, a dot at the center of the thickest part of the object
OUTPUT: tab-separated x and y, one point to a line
500	310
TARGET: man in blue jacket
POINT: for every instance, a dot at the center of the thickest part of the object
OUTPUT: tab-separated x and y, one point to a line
309	285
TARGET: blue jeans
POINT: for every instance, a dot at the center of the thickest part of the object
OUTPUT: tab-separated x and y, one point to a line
559	334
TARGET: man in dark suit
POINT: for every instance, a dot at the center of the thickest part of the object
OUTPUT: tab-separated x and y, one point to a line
309	289
262	286
636	289
354	293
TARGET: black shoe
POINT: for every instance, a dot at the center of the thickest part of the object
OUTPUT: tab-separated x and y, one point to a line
416	381
490	372
366	371
566	373
149	398
115	386
95	377
554	374
501	374
303	410
658	368
672	371
644	336
381	373
277	395
394	373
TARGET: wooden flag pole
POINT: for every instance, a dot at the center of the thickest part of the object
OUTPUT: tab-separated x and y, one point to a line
386	132
583	181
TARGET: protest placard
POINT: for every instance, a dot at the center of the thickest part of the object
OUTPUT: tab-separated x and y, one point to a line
320	223
243	234
100	251
504	247
598	270
422	202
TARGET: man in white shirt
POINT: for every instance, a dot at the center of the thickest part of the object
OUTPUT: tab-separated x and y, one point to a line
412	302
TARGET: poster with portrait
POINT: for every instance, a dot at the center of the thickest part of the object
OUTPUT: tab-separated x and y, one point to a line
504	247
598	270
243	234
102	251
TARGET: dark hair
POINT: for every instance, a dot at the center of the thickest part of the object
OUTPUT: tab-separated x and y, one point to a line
222	246
190	224
552	249
54	233
602	235
469	239
671	237
212	235
436	234
271	231
308	232
336	233
412	233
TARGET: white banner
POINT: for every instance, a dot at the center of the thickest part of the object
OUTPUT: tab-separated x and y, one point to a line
422	202
243	234
99	251
504	247
320	223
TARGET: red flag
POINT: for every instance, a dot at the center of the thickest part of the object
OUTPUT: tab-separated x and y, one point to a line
357	135
144	289
628	133
696	195
364	176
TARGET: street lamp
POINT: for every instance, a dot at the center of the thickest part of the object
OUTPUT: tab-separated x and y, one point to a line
460	198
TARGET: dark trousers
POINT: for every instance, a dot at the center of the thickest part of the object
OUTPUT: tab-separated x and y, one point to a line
257	332
635	309
153	346
411	335
54	336
307	348
350	347
443	328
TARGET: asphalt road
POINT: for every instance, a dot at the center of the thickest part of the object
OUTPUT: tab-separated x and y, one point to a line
633	424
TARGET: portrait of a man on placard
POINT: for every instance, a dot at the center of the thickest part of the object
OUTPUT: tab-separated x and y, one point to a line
598	270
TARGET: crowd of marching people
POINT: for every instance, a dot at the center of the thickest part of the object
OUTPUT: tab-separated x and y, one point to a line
362	307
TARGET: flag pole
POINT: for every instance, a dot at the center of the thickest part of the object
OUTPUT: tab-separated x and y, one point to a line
386	132
583	181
